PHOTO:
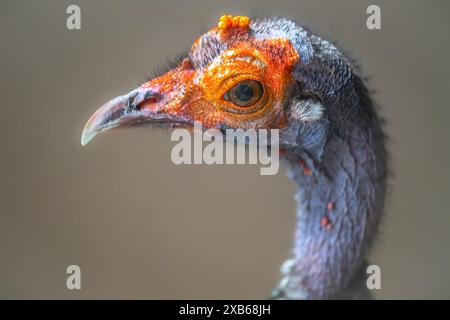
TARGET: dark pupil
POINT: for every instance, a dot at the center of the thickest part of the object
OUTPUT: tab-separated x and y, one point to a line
244	92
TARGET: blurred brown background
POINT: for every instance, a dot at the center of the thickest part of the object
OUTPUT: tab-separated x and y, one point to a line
141	227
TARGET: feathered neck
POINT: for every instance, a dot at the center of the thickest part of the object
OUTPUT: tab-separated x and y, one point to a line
340	196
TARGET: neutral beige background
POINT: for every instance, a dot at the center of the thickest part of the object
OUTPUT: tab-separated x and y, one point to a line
141	227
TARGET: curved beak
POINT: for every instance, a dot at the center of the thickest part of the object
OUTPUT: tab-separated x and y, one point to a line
140	106
119	112
158	101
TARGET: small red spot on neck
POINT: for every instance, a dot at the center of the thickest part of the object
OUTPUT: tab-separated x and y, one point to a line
330	206
306	169
326	222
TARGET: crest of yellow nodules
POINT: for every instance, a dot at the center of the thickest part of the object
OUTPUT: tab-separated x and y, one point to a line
227	22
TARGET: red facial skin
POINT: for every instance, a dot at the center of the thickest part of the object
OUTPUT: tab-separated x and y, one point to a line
190	94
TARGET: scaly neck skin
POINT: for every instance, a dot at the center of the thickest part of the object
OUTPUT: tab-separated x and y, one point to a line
340	196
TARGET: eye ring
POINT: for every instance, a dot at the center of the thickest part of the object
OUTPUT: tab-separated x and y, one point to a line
245	93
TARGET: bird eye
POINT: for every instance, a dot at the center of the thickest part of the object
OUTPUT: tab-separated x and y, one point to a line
246	93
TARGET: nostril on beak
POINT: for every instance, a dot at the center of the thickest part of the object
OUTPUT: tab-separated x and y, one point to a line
138	98
146	97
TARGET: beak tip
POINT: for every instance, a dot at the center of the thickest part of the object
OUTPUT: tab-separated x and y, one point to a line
87	136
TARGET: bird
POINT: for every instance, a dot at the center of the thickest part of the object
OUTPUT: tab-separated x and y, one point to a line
274	73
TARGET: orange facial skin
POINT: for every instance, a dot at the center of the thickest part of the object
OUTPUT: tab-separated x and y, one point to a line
198	95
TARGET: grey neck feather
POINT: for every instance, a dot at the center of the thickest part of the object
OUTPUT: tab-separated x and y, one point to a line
339	203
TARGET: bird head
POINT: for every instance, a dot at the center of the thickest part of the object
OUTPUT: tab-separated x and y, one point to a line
240	74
